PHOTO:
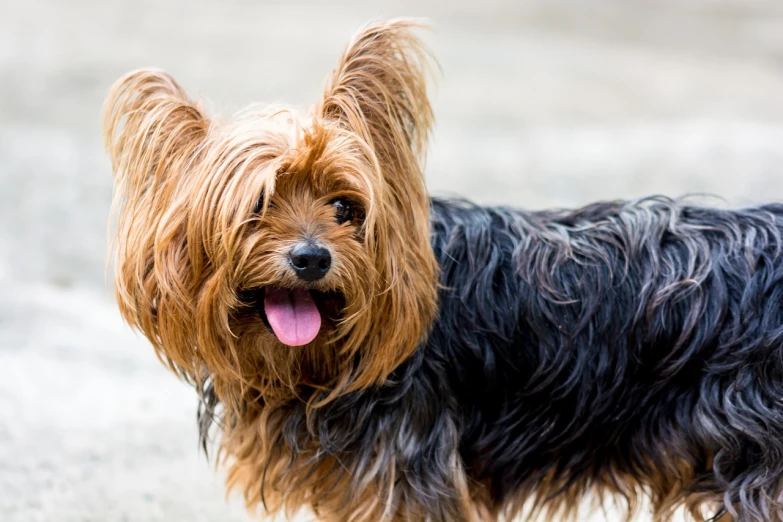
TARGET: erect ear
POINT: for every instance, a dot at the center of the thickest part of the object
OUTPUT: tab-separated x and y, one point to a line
378	94
152	133
379	91
150	127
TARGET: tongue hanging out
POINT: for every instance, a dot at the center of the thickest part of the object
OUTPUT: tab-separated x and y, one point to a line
292	314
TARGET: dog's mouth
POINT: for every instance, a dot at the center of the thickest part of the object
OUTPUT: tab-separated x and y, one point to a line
297	315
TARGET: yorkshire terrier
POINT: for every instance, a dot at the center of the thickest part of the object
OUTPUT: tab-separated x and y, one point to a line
371	354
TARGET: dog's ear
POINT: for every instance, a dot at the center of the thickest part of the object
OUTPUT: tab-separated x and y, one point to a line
150	128
378	93
152	133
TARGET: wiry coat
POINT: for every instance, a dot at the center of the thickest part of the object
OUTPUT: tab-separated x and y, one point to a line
619	345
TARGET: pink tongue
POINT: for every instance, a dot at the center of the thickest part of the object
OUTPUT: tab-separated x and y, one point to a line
293	315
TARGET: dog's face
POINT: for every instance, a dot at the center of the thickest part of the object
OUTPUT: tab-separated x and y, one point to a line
310	251
278	249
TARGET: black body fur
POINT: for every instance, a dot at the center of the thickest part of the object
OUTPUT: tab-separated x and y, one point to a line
583	348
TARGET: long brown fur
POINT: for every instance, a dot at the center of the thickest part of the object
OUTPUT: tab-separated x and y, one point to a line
188	242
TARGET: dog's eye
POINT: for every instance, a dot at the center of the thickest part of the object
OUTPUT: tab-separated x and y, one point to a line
344	210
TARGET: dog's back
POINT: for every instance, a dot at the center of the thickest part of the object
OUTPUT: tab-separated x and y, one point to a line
622	345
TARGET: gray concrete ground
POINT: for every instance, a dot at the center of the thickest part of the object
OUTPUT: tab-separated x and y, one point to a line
542	102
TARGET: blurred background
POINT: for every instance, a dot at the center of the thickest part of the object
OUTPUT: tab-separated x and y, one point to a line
541	103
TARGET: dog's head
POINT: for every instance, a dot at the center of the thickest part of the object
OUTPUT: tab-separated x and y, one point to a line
278	249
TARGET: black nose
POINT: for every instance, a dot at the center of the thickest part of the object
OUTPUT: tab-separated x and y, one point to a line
310	262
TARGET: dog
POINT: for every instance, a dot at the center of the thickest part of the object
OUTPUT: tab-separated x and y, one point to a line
370	353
